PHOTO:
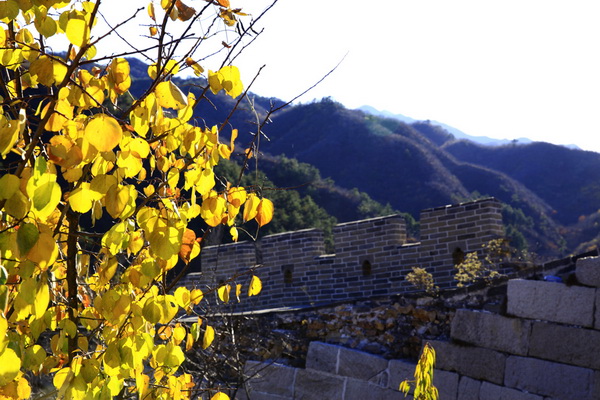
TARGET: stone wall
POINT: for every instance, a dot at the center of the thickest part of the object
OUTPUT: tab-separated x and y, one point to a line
544	346
371	258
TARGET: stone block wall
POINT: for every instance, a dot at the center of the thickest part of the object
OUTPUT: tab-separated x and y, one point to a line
546	347
371	258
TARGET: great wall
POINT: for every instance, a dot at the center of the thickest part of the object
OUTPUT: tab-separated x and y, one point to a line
526	339
371	258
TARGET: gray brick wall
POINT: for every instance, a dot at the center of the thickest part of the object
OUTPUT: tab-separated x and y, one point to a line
371	257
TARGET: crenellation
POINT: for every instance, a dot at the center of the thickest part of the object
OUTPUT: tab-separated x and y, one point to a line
372	256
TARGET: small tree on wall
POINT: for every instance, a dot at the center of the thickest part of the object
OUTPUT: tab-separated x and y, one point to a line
76	145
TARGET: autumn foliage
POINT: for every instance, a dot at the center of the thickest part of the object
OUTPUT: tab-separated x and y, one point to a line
75	144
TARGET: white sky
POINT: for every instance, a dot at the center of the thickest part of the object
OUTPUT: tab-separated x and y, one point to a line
504	69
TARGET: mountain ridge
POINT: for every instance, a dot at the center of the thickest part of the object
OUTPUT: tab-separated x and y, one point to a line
420	164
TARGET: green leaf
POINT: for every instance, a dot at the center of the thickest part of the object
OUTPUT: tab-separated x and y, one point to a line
27	237
9	184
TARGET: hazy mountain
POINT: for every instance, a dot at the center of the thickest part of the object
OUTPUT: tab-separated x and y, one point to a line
458	134
547	190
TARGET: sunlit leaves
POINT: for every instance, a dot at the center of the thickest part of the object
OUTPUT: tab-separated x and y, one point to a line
264	212
209	336
103	132
223	292
43	189
10	366
251	207
78	153
255	286
228	79
9	133
118	76
160	309
169	95
76	27
198	70
82	197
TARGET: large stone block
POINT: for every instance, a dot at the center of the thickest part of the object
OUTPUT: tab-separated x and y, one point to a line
322	357
491	331
551	301
361	365
400	370
587	271
273	379
565	344
314	385
548	378
468	388
474	362
446	384
361	390
490	391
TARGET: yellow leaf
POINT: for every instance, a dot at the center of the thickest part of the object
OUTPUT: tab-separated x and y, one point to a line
264	212
196	296
255	286
103	132
220	395
182	296
214	82
77	30
198	70
234	233
9	134
118	75
9	367
209	336
81	198
151	12
169	95
238	291
116	200
42	70
230	80
179	333
42	299
223	293
213	210
44	252
251	207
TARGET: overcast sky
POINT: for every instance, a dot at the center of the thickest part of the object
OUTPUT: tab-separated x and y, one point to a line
504	69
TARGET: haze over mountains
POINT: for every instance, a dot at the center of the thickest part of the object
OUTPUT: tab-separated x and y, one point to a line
551	193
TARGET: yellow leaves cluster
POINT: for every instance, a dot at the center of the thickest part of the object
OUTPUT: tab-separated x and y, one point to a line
150	172
228	79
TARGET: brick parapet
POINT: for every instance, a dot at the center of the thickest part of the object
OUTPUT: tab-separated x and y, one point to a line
371	258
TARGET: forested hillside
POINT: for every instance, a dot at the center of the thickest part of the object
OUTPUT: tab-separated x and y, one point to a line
353	165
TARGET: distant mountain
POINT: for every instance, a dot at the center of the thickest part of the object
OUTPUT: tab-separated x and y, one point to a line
551	194
458	134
